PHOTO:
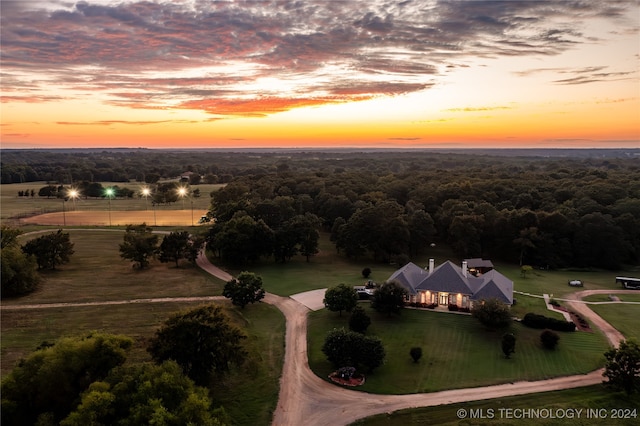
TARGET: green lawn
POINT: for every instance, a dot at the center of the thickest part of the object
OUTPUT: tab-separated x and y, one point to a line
603	405
457	352
326	269
622	317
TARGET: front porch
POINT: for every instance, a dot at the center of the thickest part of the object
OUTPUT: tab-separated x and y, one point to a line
440	300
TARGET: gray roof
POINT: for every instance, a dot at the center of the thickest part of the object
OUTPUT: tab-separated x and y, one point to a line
494	286
449	278
409	276
477	262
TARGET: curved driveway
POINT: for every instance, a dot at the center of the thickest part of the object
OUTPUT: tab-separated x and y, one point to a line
306	399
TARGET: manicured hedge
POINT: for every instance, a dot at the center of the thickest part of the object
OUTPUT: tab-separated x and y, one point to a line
540	321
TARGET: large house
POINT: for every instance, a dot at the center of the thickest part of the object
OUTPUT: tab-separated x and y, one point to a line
449	284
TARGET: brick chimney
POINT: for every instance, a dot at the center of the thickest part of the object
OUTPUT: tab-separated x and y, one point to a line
464	268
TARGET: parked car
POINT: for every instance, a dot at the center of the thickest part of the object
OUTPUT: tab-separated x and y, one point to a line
575	283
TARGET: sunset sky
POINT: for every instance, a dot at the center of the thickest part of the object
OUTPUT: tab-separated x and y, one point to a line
303	73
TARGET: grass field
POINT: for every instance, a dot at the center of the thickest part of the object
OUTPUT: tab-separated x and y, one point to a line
326	269
604	404
14	206
249	393
96	273
622	317
457	352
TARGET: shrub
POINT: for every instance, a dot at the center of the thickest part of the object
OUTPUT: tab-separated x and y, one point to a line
359	320
416	353
492	313
540	321
508	344
453	307
366	272
348	348
549	339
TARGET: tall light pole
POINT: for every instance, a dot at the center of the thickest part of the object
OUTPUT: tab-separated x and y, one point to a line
145	193
73	194
109	193
182	192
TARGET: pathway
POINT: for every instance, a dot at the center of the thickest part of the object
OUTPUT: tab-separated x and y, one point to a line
307	399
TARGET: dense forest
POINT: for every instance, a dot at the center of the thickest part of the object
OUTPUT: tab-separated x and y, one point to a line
543	208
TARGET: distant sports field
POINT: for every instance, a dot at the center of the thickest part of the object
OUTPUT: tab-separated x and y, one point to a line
117	218
95	211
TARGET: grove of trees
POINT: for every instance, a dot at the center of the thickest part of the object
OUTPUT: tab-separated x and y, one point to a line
543	208
44	388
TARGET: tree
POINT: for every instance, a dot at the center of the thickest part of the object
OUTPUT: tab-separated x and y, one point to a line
508	344
9	236
339	347
492	313
389	298
340	298
549	339
526	240
416	353
345	348
242	239
202	341
50	250
144	394
247	288
195	246
140	245
48	191
47	384
174	247
359	320
306	227
622	368
19	270
524	269
371	353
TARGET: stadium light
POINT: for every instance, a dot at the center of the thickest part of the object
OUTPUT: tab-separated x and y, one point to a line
109	192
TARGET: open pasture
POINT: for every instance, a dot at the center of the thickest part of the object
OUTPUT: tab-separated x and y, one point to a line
16	207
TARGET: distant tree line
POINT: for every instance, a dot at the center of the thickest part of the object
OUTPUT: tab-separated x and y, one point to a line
581	209
546	213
